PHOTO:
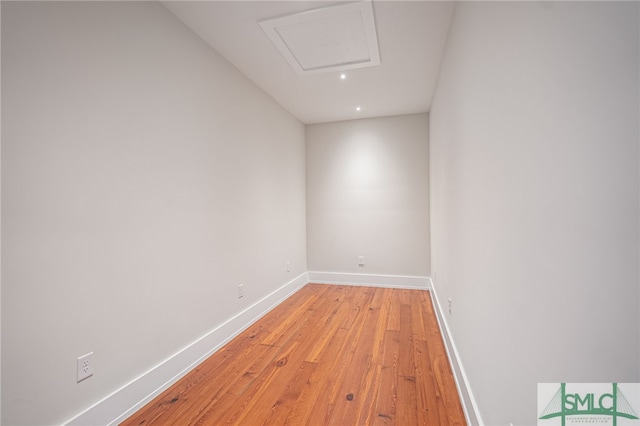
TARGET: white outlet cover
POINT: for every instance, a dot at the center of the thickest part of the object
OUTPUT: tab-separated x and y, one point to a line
85	366
240	291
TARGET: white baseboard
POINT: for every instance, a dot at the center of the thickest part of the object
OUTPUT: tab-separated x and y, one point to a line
370	280
469	404
125	401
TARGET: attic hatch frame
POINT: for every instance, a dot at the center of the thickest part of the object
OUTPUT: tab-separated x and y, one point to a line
355	47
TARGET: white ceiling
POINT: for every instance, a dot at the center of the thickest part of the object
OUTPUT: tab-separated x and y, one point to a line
411	39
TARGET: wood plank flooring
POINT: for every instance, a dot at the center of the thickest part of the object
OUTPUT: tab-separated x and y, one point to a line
328	355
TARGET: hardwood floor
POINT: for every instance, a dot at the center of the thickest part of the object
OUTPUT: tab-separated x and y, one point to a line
328	355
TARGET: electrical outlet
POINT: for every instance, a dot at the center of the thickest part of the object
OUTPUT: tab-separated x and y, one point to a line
361	261
450	304
85	366
240	291
288	266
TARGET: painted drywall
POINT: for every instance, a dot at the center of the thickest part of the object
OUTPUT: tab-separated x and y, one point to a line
0	222
535	208
143	179
368	195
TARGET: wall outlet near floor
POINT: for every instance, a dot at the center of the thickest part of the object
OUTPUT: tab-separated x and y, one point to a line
450	304
240	291
85	366
288	266
361	261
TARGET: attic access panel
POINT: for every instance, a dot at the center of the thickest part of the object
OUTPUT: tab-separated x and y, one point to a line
334	38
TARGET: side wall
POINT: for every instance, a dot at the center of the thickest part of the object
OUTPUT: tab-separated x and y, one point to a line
535	208
0	225
143	179
368	195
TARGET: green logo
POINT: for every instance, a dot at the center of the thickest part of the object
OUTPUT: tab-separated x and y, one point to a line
588	404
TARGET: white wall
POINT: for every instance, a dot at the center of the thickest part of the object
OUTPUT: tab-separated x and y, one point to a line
143	179
0	225
368	195
534	184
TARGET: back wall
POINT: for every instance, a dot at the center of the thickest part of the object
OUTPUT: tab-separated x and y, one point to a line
368	195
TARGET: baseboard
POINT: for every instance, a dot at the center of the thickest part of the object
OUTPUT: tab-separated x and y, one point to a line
125	401
370	280
469	404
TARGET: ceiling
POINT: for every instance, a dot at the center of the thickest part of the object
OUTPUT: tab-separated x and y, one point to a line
411	36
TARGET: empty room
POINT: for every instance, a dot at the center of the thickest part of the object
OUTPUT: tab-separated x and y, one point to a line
320	212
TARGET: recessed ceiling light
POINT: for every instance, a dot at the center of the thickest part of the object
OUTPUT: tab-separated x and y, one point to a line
343	76
357	108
